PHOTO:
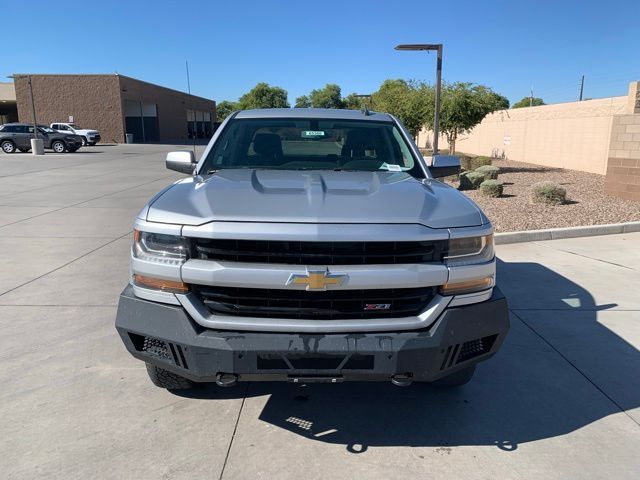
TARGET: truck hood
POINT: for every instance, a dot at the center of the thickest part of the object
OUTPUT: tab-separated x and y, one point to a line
250	195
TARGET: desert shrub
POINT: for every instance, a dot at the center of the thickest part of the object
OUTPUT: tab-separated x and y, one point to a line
490	172
477	162
471	180
549	193
464	160
491	188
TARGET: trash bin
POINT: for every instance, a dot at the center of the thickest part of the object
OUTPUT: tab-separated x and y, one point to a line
129	137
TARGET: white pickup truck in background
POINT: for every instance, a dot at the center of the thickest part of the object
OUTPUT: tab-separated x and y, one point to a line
89	137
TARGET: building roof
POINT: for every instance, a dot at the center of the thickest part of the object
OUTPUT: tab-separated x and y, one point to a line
321	113
35	75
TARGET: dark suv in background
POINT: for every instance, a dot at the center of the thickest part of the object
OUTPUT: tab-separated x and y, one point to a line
17	136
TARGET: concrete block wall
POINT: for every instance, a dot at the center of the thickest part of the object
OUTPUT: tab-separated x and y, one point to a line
623	166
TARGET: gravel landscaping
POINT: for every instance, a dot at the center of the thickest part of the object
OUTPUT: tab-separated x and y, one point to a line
587	204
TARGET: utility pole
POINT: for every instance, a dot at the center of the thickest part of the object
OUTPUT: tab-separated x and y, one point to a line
581	87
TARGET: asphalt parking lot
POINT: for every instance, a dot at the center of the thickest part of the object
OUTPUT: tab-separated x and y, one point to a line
561	400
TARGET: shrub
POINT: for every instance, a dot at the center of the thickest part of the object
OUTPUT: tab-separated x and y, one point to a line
471	180
490	172
469	162
491	188
477	162
465	160
549	193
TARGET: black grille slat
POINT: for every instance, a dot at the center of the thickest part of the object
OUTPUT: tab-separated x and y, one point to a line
325	305
319	253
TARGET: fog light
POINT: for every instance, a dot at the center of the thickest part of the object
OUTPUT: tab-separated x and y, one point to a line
468	286
160	284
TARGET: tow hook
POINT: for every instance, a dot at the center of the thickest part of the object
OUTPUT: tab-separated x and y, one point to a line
402	379
226	379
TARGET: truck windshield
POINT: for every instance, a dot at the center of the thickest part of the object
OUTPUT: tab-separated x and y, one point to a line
311	144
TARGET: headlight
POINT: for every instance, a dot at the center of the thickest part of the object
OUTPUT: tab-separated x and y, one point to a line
470	250
160	248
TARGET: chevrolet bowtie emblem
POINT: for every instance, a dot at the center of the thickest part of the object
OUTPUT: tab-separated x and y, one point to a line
317	279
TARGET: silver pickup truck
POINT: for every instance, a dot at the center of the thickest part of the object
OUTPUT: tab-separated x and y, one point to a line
311	245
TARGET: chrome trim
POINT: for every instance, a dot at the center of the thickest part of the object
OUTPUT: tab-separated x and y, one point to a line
155	295
323	232
201	315
155	227
469	298
479	231
263	275
462	273
155	269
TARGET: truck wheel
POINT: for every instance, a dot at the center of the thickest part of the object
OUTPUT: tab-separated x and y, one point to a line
84	141
165	379
58	146
456	379
8	146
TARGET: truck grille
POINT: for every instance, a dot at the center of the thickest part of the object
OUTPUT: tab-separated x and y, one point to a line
319	253
327	305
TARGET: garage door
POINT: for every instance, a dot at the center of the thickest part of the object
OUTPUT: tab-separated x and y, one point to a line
141	119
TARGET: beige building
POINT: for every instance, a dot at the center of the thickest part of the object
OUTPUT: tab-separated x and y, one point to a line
598	136
8	108
115	105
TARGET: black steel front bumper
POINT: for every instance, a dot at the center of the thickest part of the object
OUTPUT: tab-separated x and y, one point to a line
165	335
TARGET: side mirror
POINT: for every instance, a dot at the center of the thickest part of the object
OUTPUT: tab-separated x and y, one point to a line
183	162
443	165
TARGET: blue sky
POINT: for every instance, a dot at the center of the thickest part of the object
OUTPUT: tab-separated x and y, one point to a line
301	45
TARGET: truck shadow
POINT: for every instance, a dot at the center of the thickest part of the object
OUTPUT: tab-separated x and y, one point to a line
538	386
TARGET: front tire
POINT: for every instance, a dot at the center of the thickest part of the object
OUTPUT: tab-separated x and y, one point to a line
58	146
165	379
7	146
85	142
457	379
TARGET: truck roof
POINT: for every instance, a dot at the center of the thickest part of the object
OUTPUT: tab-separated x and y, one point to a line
320	113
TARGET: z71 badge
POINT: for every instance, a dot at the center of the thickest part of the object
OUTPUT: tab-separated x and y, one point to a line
377	306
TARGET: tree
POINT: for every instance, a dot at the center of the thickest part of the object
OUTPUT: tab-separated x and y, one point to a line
303	102
224	109
411	102
528	102
353	102
264	96
463	106
329	96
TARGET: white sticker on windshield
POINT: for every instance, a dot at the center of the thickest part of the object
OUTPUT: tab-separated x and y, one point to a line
392	167
312	133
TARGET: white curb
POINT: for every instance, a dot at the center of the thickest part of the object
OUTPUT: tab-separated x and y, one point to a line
569	232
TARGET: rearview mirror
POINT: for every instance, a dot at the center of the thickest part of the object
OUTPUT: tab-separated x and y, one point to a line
183	162
443	165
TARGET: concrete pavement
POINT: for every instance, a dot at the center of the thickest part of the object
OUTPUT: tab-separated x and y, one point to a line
561	400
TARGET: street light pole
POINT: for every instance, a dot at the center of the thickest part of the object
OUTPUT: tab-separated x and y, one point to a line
37	145
33	109
436	116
